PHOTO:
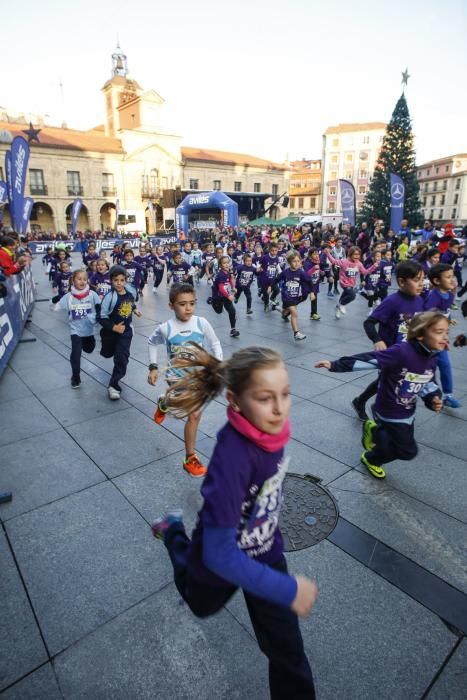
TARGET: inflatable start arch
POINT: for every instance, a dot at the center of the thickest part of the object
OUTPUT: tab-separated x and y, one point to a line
207	200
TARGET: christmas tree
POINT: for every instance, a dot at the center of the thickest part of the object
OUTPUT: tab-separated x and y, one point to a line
397	156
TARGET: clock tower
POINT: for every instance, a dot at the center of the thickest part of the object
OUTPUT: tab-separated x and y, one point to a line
119	90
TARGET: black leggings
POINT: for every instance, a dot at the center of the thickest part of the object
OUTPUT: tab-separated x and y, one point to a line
347	296
392	441
276	627
274	291
247	293
314	305
78	345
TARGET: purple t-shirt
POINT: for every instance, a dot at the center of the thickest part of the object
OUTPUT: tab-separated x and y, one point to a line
224	278
242	490
313	272
178	272
442	301
404	373
386	269
294	285
100	283
269	269
393	315
244	275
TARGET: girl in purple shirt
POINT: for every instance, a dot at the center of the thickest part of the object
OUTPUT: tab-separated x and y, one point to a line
236	542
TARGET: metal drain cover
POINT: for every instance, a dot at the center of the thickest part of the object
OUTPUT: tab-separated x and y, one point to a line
308	514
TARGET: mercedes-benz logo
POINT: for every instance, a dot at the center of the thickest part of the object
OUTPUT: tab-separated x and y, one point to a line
397	190
347	196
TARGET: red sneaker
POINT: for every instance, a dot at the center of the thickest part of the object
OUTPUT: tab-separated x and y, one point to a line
160	413
193	466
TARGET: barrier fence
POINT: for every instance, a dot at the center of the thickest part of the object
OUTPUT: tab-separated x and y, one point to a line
40	247
15	308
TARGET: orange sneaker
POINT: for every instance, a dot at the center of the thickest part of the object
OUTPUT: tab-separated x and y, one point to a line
160	413
193	466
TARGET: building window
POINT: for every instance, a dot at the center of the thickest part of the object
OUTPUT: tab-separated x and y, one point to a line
348	174
108	189
458	183
363	174
331	208
237	186
436	171
194	184
443	199
164	182
366	139
275	190
216	185
361	189
73	183
425	187
333	174
300	202
445	184
424	201
36	182
454	214
292	203
256	187
334	159
349	157
441	213
447	168
428	173
456	199
335	142
432	214
433	201
332	190
419	173
312	202
435	186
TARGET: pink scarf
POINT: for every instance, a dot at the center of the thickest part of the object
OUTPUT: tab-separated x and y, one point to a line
267	442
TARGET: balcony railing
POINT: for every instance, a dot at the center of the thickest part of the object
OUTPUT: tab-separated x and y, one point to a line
39	189
149	193
75	191
109	192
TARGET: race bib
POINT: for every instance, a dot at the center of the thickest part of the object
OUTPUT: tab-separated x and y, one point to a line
80	310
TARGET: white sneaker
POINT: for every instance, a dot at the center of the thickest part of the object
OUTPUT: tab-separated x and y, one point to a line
113	393
299	336
343	310
338	311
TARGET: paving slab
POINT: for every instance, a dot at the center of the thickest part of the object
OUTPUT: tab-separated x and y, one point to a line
123	441
308	361
159	649
444	433
363	636
85	559
306	460
31	355
434	540
308	385
39	685
22	648
71	406
41	379
11	386
42	469
452	683
24	418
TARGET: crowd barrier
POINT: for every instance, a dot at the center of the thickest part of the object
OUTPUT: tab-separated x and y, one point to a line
15	308
39	247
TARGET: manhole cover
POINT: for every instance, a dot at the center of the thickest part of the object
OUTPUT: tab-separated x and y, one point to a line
308	515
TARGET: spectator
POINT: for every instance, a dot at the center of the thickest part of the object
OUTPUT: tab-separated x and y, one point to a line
7	255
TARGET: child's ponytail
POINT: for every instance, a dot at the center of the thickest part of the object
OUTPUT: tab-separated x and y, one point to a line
205	376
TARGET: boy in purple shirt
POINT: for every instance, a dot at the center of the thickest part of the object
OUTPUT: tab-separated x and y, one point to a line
244	276
268	277
295	288
441	298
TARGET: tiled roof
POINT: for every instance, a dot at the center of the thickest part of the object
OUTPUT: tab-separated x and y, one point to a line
442	160
69	139
227	158
368	126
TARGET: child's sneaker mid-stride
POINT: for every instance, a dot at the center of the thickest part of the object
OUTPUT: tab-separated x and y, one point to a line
160	412
367	435
451	402
374	469
161	525
194	467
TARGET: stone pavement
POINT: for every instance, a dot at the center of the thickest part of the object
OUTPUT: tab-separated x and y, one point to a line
88	606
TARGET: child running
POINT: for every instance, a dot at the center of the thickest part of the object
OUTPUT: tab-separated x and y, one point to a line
115	318
349	268
82	305
244	276
407	371
237	542
223	290
175	334
295	288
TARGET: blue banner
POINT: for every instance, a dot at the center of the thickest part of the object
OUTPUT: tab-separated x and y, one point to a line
3	192
107	244
19	169
9	185
77	204
27	209
397	201
347	202
14	311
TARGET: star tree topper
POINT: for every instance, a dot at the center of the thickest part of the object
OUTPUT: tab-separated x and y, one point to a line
405	77
32	133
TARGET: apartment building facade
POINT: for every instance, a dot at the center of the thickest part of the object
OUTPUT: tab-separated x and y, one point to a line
305	187
443	189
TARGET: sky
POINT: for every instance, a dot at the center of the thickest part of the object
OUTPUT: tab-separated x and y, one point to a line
263	77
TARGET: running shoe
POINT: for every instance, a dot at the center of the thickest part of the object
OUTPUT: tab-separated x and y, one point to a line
367	434
374	470
331	295
451	402
338	311
454	307
285	316
193	466
267	307
359	408
75	382
315	317
114	395
298	335
274	305
249	312
161	525
160	413
343	309
234	333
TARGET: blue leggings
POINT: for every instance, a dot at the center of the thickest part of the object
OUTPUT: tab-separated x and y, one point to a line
445	371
